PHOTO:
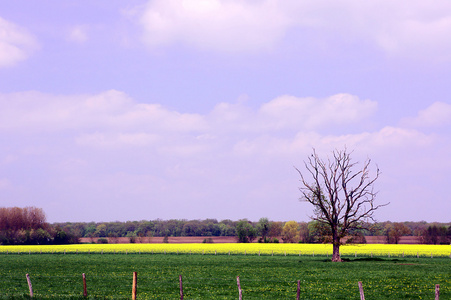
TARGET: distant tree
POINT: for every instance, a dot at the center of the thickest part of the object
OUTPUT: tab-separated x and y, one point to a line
304	233
416	228
263	228
275	229
143	228
435	235
211	228
430	235
191	228
342	196
24	226
132	236
399	230
17	218
375	229
40	237
290	232
319	232
101	230
90	229
226	229
245	232
61	237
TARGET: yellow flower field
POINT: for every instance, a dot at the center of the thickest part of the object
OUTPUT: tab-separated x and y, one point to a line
361	250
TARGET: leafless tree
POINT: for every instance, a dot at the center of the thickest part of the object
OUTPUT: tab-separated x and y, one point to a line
342	194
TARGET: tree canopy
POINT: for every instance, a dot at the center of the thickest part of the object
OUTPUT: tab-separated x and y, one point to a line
341	193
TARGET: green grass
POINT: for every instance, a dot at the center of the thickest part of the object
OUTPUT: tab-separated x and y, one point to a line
109	276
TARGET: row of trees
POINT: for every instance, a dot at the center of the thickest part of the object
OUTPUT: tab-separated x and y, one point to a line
264	230
28	226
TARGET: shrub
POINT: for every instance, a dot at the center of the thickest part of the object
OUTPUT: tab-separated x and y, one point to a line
102	241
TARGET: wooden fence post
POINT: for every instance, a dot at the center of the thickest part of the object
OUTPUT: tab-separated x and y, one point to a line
240	293
362	296
437	292
298	293
85	291
181	287
29	285
135	282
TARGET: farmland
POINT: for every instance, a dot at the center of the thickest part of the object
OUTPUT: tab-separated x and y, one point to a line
266	271
359	250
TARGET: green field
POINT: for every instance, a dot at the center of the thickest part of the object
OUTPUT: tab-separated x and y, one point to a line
109	276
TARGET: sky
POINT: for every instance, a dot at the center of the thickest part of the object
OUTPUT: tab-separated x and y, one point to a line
193	109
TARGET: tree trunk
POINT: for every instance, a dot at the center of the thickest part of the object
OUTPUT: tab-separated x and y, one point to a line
336	248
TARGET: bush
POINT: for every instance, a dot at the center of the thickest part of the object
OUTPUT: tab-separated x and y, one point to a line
166	239
275	240
102	241
208	240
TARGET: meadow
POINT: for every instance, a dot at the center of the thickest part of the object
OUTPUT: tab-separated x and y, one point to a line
266	271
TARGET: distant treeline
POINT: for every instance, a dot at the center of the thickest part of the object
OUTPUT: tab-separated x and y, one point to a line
28	226
263	230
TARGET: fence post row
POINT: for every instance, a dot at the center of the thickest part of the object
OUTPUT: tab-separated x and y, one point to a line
135	288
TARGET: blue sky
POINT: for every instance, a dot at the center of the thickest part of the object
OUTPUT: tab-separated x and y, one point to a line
194	109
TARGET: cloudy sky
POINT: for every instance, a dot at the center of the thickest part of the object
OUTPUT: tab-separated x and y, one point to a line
194	109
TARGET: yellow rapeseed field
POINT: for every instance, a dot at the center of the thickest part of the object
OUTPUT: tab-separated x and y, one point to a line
359	250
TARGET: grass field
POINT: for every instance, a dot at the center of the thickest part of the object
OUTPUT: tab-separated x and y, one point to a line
109	276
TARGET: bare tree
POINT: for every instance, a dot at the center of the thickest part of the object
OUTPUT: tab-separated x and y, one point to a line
342	195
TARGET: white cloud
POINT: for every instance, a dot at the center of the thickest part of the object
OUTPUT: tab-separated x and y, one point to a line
382	141
292	113
110	110
413	29
78	34
114	111
74	147
225	26
419	31
310	113
438	114
108	140
16	44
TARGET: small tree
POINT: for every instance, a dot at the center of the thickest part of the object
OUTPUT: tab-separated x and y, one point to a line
304	233
263	228
319	232
275	229
395	231
290	231
245	232
342	196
